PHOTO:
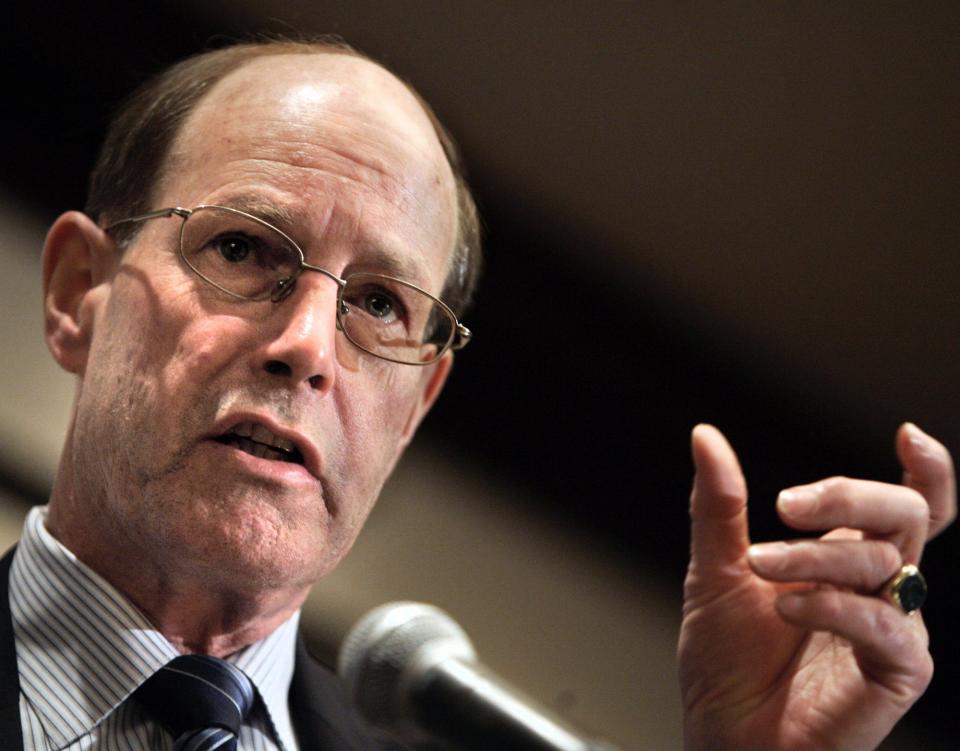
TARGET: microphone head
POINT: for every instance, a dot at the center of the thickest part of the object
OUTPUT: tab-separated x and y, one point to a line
389	650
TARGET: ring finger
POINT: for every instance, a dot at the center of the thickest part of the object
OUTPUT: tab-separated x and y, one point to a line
861	565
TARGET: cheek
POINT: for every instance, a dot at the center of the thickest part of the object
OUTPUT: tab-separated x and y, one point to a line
140	326
378	405
203	347
156	346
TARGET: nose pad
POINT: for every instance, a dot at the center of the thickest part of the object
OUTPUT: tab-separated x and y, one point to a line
283	289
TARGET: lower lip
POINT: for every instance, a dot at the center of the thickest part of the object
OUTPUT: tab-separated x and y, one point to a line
270	469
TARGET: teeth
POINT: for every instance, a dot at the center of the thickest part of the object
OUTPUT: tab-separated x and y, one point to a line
256	440
259	450
261	435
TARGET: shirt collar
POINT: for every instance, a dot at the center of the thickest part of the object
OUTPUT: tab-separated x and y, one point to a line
269	664
83	648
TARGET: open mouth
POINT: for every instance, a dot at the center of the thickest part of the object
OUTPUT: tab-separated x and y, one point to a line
257	441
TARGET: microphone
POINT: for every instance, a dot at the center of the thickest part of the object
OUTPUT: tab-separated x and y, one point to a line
413	673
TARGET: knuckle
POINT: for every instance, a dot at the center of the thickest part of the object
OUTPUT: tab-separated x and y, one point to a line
924	674
831	605
939	472
908	647
803	555
835	484
916	510
902	634
884	560
888	625
802	560
941	466
915	499
844	502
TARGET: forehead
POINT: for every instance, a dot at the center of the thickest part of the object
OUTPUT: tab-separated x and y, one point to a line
334	142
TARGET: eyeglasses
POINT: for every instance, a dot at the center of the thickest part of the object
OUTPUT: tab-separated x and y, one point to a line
250	259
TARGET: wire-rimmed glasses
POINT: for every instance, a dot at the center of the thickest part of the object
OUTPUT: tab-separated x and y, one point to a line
250	259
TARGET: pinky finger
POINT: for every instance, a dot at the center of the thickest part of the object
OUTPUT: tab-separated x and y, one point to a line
891	647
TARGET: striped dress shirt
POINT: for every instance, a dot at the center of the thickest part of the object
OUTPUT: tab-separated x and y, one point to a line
82	649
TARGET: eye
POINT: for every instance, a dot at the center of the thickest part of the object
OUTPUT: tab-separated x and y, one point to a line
233	249
379	305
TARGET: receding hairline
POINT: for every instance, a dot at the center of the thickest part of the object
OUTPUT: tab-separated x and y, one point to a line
414	103
375	87
134	161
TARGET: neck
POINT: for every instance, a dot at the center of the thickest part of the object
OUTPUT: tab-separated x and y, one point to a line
196	620
199	606
196	611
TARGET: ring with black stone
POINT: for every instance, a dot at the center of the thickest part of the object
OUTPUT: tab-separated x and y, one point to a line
907	589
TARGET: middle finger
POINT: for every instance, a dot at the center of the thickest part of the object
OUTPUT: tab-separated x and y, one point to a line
893	512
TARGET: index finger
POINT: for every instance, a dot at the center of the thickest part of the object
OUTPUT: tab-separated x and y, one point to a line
928	469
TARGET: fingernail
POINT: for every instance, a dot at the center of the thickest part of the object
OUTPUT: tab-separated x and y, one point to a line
790	603
796	501
767	556
917	437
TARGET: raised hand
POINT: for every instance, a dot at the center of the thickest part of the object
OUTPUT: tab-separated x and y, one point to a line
786	645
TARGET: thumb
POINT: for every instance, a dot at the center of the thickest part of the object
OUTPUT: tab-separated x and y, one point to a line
718	504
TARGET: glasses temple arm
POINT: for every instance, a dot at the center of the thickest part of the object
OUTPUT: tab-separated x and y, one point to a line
462	337
173	211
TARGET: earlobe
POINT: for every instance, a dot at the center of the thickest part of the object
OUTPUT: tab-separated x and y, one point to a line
78	261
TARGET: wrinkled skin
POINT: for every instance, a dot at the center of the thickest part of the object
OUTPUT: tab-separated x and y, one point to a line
786	645
216	546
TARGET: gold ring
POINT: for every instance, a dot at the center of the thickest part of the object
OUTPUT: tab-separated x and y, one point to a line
907	589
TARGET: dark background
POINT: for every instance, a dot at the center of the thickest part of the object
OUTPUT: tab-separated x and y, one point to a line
744	214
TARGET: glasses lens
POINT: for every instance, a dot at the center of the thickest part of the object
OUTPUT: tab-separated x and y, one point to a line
238	253
395	320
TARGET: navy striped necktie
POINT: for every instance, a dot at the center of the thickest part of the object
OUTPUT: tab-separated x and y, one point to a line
202	699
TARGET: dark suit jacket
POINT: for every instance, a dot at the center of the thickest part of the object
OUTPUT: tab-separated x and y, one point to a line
323	717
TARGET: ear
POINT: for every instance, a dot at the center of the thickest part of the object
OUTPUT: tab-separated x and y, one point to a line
431	385
79	261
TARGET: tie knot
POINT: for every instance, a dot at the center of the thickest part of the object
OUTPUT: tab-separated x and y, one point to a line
195	693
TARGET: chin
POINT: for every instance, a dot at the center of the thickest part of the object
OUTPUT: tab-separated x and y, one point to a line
253	545
259	565
247	534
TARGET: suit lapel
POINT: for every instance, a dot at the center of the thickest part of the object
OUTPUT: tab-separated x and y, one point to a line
322	715
10	730
314	716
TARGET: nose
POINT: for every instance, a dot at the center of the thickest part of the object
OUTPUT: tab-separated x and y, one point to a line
300	334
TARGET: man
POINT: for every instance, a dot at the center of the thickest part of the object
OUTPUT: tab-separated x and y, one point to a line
253	329
226	447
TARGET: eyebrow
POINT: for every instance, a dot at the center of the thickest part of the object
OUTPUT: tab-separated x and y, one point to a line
381	259
270	212
387	261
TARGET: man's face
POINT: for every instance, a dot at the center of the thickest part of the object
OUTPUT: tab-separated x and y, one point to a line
339	155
